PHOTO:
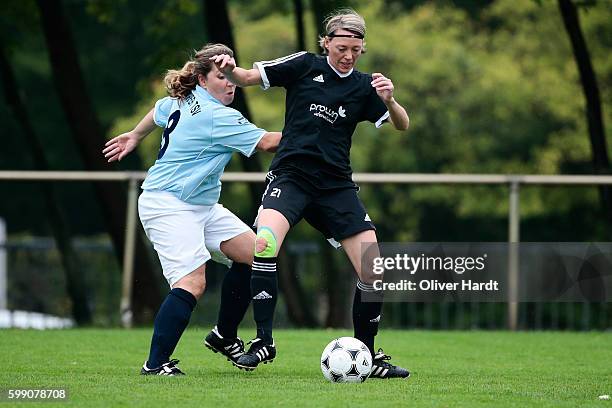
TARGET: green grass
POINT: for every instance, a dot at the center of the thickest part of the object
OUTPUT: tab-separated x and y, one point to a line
450	369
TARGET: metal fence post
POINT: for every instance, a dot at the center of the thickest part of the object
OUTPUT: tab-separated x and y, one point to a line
3	279
126	313
513	254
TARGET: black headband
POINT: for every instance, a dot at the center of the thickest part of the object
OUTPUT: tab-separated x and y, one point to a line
354	35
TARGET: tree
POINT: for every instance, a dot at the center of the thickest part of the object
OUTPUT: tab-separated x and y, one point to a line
219	29
322	8
87	135
588	80
74	279
298	10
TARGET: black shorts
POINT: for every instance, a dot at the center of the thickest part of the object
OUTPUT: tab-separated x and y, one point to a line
337	213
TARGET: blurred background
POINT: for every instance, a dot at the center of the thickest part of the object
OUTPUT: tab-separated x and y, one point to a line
491	87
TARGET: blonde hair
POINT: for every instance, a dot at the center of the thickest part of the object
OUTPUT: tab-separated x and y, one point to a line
179	83
343	19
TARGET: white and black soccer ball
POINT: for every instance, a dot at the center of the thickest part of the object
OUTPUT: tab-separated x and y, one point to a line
346	360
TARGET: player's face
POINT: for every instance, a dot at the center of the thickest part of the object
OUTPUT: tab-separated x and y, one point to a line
219	87
343	52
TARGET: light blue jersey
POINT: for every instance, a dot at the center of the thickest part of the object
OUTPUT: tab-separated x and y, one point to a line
199	138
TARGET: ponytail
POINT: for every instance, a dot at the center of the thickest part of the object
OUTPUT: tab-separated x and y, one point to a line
179	83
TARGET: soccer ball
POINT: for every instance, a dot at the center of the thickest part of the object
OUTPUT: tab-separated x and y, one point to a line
346	360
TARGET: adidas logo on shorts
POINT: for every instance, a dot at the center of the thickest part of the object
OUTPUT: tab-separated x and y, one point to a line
376	319
262	295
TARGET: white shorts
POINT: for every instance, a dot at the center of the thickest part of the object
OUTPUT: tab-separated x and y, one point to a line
185	235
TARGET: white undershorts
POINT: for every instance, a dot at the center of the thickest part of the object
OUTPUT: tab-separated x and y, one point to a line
185	235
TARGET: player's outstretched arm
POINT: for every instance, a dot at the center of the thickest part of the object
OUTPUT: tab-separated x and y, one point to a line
269	142
397	114
119	147
239	76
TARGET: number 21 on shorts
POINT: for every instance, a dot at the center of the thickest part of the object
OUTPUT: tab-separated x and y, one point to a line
276	192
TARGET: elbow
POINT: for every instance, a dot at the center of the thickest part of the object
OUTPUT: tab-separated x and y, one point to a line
264	146
269	147
268	143
399	120
402	125
274	141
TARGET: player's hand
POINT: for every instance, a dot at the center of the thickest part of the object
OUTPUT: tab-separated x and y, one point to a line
384	87
119	147
224	63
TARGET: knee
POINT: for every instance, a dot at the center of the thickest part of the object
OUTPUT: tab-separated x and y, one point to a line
369	277
198	290
195	287
260	245
265	243
367	273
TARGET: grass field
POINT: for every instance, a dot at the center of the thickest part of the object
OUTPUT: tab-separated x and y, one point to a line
450	369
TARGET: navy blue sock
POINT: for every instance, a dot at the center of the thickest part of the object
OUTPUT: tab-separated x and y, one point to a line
235	299
170	322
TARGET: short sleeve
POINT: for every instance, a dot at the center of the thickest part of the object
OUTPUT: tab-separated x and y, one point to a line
232	130
162	111
283	71
375	110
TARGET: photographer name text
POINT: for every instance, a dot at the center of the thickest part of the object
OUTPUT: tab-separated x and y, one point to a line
437	286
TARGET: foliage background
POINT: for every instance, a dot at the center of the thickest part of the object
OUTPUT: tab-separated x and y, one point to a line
490	86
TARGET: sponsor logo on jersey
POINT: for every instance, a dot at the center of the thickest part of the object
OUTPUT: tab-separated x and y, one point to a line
319	78
367	218
326	113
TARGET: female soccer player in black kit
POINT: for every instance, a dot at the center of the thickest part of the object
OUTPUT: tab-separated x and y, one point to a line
310	176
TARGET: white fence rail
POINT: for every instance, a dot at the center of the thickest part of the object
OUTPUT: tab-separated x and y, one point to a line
513	181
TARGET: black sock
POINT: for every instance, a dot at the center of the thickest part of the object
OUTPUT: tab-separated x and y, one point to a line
235	299
170	322
367	306
264	291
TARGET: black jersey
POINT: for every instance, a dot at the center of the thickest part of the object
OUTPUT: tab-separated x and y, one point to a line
323	108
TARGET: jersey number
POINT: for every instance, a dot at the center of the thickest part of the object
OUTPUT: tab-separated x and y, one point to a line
172	122
276	192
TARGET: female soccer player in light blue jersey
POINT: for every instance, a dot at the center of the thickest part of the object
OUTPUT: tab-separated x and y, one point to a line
179	207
